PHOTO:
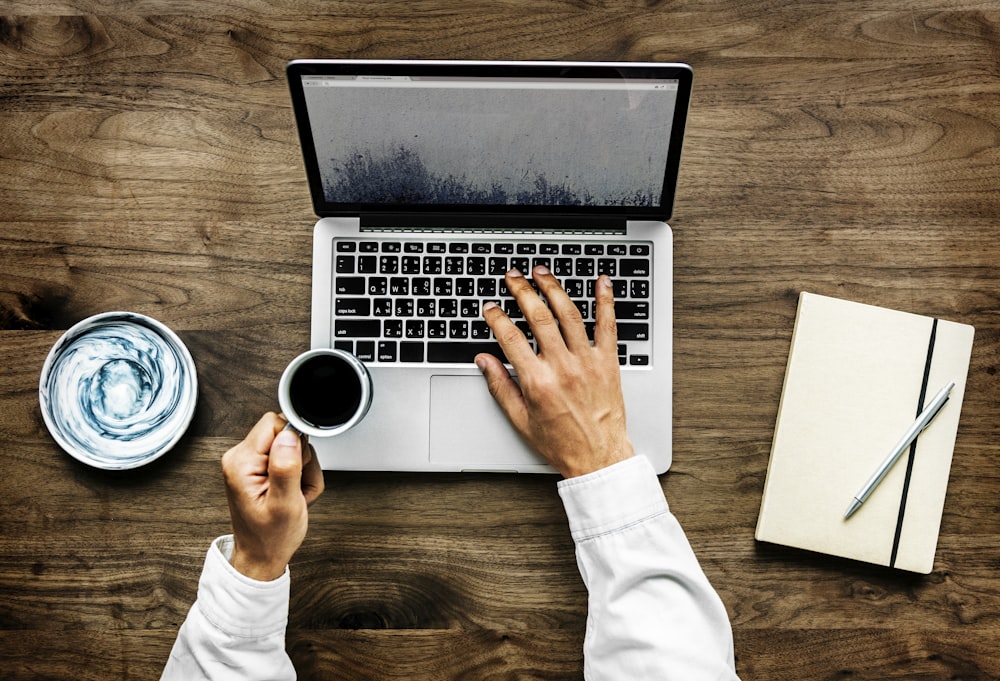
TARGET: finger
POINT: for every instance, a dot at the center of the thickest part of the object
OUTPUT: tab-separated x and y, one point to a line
504	389
570	321
313	483
284	467
606	327
536	312
262	434
511	340
249	457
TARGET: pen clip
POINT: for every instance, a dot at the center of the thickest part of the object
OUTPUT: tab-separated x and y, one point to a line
935	413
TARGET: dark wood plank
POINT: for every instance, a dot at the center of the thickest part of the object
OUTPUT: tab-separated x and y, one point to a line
150	163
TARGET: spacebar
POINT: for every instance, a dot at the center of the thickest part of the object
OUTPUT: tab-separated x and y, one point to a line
461	352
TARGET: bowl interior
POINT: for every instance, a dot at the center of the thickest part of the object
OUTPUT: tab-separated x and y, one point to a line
118	390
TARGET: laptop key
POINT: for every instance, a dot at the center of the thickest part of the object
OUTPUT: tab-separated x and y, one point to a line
426	307
633	331
457	352
432	264
421	286
393	328
631	309
388	264
352	307
415	329
357	328
365	351
345	264
411	352
411	264
639	288
479	330
437	328
633	267
607	266
387	351
350	286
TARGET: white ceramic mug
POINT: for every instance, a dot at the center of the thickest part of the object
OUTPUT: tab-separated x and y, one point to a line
325	392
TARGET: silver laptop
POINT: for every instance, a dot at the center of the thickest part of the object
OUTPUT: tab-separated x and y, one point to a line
431	180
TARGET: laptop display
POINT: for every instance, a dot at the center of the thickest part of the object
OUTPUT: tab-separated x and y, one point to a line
586	140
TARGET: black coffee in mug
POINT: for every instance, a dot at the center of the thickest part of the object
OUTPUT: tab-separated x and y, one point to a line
325	392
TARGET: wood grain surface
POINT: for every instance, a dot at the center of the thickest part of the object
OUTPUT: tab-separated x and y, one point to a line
149	162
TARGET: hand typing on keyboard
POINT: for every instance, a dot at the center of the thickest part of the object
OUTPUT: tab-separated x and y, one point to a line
568	404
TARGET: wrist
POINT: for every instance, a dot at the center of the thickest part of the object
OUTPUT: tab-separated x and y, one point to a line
262	570
578	468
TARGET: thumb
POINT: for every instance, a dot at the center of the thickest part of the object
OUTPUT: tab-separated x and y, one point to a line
504	389
284	466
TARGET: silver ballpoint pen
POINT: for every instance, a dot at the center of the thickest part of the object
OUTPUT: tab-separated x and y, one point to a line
923	420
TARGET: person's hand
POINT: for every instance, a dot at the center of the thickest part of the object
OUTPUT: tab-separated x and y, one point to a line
569	405
271	479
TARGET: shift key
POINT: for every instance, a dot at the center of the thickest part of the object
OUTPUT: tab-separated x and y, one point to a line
633	331
357	328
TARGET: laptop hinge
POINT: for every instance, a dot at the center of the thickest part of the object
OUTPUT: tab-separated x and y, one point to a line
493	224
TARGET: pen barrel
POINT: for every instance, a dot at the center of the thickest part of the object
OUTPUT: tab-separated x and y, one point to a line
923	420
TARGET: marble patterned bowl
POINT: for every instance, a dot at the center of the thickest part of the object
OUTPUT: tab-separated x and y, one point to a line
118	390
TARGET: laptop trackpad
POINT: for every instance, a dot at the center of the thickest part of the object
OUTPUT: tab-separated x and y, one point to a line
469	429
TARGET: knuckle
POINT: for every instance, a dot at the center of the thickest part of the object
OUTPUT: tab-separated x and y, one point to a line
510	335
540	317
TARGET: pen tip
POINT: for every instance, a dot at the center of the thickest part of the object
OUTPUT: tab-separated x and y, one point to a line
855	505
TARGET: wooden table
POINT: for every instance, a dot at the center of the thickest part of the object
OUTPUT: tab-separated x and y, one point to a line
150	163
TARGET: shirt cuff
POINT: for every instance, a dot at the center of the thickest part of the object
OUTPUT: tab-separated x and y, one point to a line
237	604
612	498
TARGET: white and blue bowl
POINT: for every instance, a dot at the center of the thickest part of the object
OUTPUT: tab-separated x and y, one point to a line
118	390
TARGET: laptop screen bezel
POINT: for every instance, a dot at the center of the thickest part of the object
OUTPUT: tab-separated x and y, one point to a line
682	73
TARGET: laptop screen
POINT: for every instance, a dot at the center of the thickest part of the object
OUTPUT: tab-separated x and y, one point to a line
488	137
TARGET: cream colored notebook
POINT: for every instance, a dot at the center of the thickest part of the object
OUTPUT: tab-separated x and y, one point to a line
852	388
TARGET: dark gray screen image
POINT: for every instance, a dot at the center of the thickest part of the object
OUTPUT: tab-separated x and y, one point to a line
495	146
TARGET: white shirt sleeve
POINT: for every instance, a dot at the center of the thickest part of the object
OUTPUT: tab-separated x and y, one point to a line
236	627
652	613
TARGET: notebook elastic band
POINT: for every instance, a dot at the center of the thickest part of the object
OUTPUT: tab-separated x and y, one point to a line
913	446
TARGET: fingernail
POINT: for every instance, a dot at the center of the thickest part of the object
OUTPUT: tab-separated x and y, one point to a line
605	281
489	305
541	269
287	438
515	273
481	364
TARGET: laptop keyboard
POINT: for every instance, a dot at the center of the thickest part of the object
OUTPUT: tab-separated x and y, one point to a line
404	302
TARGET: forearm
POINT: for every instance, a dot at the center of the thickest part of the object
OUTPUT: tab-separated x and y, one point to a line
652	612
236	627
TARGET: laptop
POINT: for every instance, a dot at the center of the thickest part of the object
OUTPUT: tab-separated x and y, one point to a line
431	179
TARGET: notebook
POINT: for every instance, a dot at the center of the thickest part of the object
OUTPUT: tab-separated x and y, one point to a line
431	179
857	377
